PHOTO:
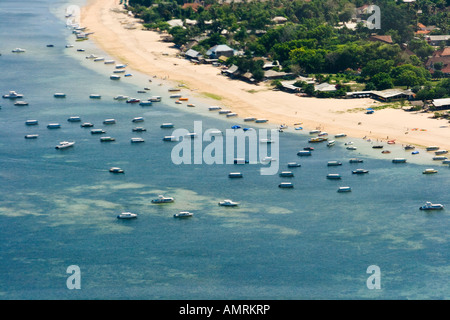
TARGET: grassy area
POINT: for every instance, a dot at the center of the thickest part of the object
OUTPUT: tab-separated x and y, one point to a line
212	96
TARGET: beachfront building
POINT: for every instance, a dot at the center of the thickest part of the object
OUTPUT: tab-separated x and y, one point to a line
193	55
220	50
325	87
441	104
392	95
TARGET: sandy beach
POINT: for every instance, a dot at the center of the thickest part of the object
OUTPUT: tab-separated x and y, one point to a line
123	38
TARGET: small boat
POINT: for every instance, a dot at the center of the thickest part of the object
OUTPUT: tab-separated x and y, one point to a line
107	139
235	175
333	176
322	134
399	160
174	89
141	91
183	214
446	161
334	163
114	77
314	132
175	96
415	152
91	56
360	171
261	120
65	145
439	158
121	66
351	148
127	215
431	206
31	136
409	147
224	111
86	125
18	50
303	153
429	171
317	139
385	151
162	199
133	100
286	174
69	46
170	138
53	126
138	129
109	62
13	95
138	119
331	143
74	119
155	99
438	152
59	95
231	114
228	203
78	50
293	165
99	59
309	148
391	142
116	170
137	140
95	96
167	125
213	108
109	121
97	131
286	185
340	135
121	97
377	147
145	103
31	122
21	103
178	102
432	148
119	71
344	189
128	75
248	119
356	160
183	99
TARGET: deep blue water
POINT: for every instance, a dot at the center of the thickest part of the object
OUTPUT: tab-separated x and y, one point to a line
58	207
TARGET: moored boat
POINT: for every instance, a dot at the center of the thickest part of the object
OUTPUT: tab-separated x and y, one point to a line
303	153
59	95
138	119
65	144
107	139
167	125
355	160
137	140
399	160
228	203
127	215
432	148
109	121
334	163
235	175
53	126
74	119
431	206
344	189
439	158
31	136
429	171
293	165
333	176
116	170
13	95
31	122
97	131
163	199
360	171
286	185
138	129
183	214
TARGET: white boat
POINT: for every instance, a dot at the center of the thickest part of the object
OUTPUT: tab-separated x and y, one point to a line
109	121
183	214
431	206
286	174
155	99
18	50
59	95
107	139
303	153
438	152
121	97
21	103
429	171
109	62
65	144
293	164
356	160
344	189
99	59
334	163
314	132
235	175
331	143
74	119
170	138
95	96
114	77
360	171
127	215
333	176
224	111
53	126
399	160
228	203
340	135
213	108
167	125
69	45
31	122
175	96
91	56
119	71
432	148
162	199
138	119
137	140
116	170
121	66
31	136
13	95
322	134
231	114
97	131
351	148
285	185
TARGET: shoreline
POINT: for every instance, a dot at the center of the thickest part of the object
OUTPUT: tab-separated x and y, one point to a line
122	37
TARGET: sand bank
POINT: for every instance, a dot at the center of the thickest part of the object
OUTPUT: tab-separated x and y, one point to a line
123	38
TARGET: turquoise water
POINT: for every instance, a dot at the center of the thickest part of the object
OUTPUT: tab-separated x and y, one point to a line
58	207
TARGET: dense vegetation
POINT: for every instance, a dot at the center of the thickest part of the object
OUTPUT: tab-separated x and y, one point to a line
313	40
